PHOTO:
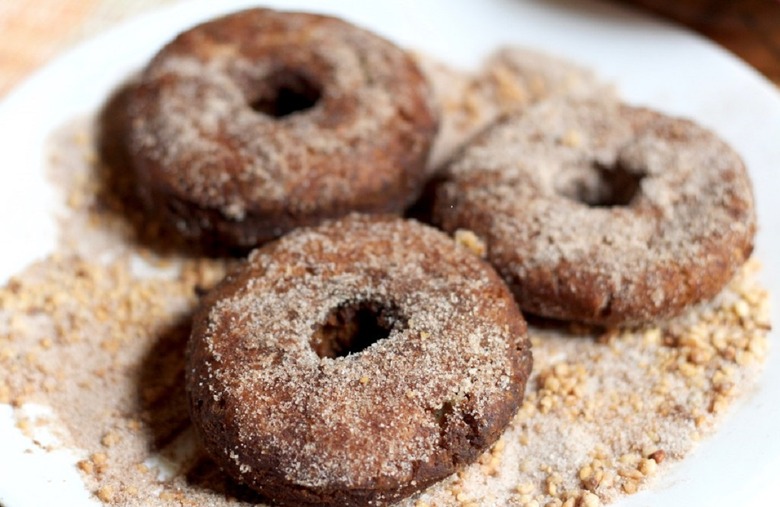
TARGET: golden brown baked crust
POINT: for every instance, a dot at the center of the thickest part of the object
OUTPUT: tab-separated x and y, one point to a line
600	212
280	413
250	125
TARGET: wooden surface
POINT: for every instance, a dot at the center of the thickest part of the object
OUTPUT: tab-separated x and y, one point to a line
748	28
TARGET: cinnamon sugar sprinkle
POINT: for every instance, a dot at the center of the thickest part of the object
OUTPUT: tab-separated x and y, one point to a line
97	331
186	145
453	341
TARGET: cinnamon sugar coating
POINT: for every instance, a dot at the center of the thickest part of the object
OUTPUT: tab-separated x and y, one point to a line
280	409
601	212
250	125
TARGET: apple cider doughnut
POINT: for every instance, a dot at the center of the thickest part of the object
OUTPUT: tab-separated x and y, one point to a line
355	363
600	212
247	126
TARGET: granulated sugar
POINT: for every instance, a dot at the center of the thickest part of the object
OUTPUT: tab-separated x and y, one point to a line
97	332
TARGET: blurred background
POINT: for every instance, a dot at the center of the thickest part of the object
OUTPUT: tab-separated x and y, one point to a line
35	32
748	28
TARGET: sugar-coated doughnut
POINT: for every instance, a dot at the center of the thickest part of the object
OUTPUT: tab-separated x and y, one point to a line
247	126
600	212
355	363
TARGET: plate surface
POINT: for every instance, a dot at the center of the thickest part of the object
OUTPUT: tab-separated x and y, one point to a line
652	63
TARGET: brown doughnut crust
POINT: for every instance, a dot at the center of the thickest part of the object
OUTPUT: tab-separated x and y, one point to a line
250	125
377	425
599	212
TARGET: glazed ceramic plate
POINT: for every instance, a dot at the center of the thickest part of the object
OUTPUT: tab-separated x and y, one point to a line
652	63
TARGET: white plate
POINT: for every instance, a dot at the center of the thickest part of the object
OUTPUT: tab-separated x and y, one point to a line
651	62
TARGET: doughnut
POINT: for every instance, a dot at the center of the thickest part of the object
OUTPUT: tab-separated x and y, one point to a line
249	125
603	213
355	363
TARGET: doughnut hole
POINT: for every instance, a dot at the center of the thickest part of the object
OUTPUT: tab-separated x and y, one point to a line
599	185
284	92
353	327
